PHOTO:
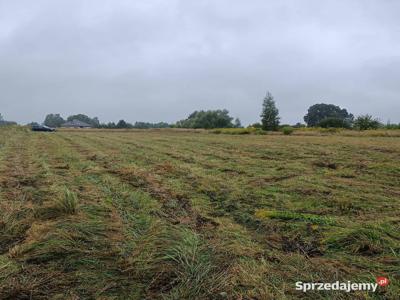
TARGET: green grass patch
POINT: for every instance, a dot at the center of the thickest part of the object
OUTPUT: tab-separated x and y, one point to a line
263	214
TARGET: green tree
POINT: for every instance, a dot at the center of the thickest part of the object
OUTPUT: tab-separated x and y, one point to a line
1	117
123	124
365	122
237	123
319	112
270	114
147	125
53	120
84	118
207	119
110	125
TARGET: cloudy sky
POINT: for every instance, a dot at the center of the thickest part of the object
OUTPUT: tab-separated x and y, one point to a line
158	60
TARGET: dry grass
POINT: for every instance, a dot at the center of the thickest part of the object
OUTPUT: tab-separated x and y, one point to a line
172	214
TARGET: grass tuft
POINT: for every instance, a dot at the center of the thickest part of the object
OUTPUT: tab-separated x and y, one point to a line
196	274
68	203
364	240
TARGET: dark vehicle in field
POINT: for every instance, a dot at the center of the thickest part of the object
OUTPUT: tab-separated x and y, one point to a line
42	128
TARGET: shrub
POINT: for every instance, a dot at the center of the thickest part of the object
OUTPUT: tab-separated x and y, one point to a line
366	122
287	130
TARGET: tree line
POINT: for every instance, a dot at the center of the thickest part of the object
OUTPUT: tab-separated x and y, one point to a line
56	120
199	119
318	115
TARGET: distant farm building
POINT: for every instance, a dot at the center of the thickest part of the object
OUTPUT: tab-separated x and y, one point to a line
76	124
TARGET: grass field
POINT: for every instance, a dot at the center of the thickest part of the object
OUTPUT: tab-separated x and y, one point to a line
184	215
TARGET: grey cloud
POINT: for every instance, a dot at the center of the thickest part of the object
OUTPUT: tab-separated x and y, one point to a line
159	60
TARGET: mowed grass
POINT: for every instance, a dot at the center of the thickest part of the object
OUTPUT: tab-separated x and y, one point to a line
167	214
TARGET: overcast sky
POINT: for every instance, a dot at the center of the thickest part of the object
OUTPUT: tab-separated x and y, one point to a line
159	60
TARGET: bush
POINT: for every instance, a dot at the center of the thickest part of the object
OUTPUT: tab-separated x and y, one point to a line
287	130
366	122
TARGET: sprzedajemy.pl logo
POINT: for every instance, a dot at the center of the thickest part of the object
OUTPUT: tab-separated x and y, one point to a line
341	286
